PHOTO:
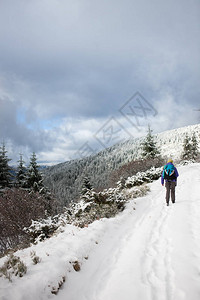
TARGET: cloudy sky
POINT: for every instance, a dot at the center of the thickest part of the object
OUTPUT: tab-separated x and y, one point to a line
80	75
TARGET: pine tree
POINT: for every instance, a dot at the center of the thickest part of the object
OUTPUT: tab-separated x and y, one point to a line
21	173
194	147
34	178
149	147
187	148
5	170
86	186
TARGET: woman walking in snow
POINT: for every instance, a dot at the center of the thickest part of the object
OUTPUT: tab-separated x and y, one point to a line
169	175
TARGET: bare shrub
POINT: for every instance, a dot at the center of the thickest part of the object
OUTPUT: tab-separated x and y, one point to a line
18	208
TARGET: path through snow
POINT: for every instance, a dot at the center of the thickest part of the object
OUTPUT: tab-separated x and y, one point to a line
152	253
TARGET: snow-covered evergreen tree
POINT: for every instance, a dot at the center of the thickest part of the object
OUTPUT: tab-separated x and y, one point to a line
187	148
194	147
21	173
5	170
34	178
86	186
149	147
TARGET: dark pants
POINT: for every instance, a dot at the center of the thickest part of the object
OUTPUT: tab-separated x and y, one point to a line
170	187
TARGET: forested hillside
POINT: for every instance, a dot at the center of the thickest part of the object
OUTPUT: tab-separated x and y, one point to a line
66	179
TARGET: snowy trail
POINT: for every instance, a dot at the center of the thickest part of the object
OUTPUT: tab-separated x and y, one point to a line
148	254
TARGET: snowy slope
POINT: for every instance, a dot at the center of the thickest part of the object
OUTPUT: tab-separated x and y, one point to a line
148	252
171	142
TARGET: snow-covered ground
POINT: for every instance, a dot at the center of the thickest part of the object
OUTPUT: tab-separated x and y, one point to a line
148	252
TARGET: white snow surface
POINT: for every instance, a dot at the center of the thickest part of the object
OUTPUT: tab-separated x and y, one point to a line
147	252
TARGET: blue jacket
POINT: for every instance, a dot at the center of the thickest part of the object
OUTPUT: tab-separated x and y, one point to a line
162	176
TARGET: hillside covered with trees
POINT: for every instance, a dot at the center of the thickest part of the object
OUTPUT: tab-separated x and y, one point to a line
106	167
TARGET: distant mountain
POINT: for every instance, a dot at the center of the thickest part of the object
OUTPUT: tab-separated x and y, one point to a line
65	179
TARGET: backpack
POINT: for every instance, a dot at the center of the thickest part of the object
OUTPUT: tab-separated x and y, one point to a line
169	172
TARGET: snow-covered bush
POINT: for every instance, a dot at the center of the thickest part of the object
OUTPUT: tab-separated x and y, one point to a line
55	289
13	266
36	259
137	191
42	229
186	162
105	204
143	177
134	167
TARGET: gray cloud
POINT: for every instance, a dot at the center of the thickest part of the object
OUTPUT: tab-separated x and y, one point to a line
11	129
68	60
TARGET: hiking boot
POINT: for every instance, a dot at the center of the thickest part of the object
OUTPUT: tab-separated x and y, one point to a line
167	204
